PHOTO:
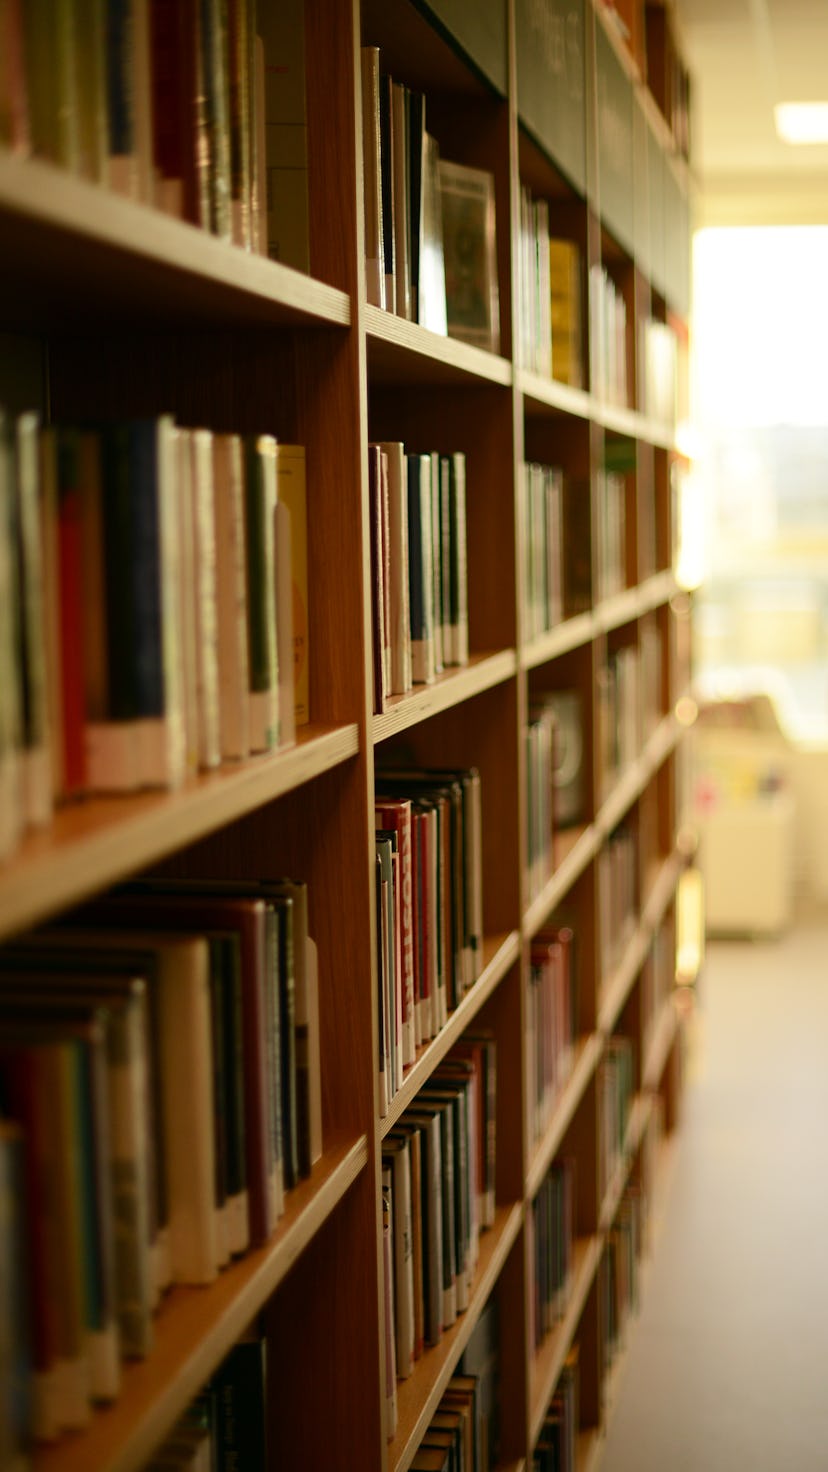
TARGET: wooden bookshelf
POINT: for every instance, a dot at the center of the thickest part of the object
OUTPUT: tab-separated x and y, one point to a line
112	309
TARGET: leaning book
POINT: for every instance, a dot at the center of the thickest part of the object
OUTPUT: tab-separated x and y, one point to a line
472	301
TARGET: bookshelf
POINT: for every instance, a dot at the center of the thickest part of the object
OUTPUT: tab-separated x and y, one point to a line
113	309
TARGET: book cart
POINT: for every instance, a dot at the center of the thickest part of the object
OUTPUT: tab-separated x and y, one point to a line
110	307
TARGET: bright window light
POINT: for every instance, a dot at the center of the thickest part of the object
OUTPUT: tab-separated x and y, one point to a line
802	122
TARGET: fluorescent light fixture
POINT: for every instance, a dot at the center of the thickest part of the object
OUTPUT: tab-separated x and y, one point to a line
802	122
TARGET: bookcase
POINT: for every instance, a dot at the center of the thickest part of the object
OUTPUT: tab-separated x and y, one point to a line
112	308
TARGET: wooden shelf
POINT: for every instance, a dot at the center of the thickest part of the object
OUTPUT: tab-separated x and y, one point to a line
85	257
96	843
499	953
419	1396
660	1040
620	609
656	590
548	396
620	984
571	634
574	849
197	1326
548	1362
401	352
587	1054
639	1117
451	688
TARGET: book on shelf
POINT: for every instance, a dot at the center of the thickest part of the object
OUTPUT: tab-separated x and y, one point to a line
551	1238
282	29
541	508
372	177
565	311
293	592
552	1022
225	1427
390	1354
469	247
556	1449
479	1373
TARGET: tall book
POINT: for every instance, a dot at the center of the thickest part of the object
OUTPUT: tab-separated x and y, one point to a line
372	177
420	569
293	495
398	567
282	29
11	807
260	506
231	597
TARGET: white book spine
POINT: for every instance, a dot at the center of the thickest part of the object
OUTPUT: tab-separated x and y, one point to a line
205	598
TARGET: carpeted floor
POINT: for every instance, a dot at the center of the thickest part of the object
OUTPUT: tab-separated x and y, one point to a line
727	1369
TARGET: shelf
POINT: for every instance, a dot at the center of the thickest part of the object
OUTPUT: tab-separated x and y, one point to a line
656	590
81	255
92	844
499	953
402	352
661	1038
419	1396
451	688
633	781
574	848
549	1360
588	1052
571	634
620	609
619	985
196	1327
639	1118
546	395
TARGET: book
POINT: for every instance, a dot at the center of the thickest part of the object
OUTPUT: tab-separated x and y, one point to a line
389	224
292	493
395	1157
431	280
282	29
260	557
372	177
401	678
420	569
472	298
390	1355
231	597
198	444
241	32
239	1389
74	979
402	197
395	814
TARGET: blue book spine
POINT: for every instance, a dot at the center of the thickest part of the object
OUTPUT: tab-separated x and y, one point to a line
119	46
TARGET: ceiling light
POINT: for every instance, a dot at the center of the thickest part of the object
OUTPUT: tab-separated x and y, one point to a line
802	122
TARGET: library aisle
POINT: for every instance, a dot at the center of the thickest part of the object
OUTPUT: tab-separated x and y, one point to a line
726	1366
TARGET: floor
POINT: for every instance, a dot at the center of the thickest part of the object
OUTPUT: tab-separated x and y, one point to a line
727	1369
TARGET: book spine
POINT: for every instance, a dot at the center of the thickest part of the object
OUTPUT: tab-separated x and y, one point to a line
71	613
260	503
292	494
36	775
387	188
239	62
88	55
372	177
231	598
120	95
399	131
14	100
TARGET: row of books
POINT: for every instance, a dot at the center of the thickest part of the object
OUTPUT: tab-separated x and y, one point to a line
551	1239
429	898
658	371
225	1428
550	296
618	1277
542	515
159	1053
658	975
438	1195
453	1441
607	339
551	1022
556	1447
146	607
541	739
619	711
617	895
616	1084
429	223
651	656
196	109
418	566
610	533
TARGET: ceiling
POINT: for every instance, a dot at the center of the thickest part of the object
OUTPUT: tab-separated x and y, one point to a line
744	56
